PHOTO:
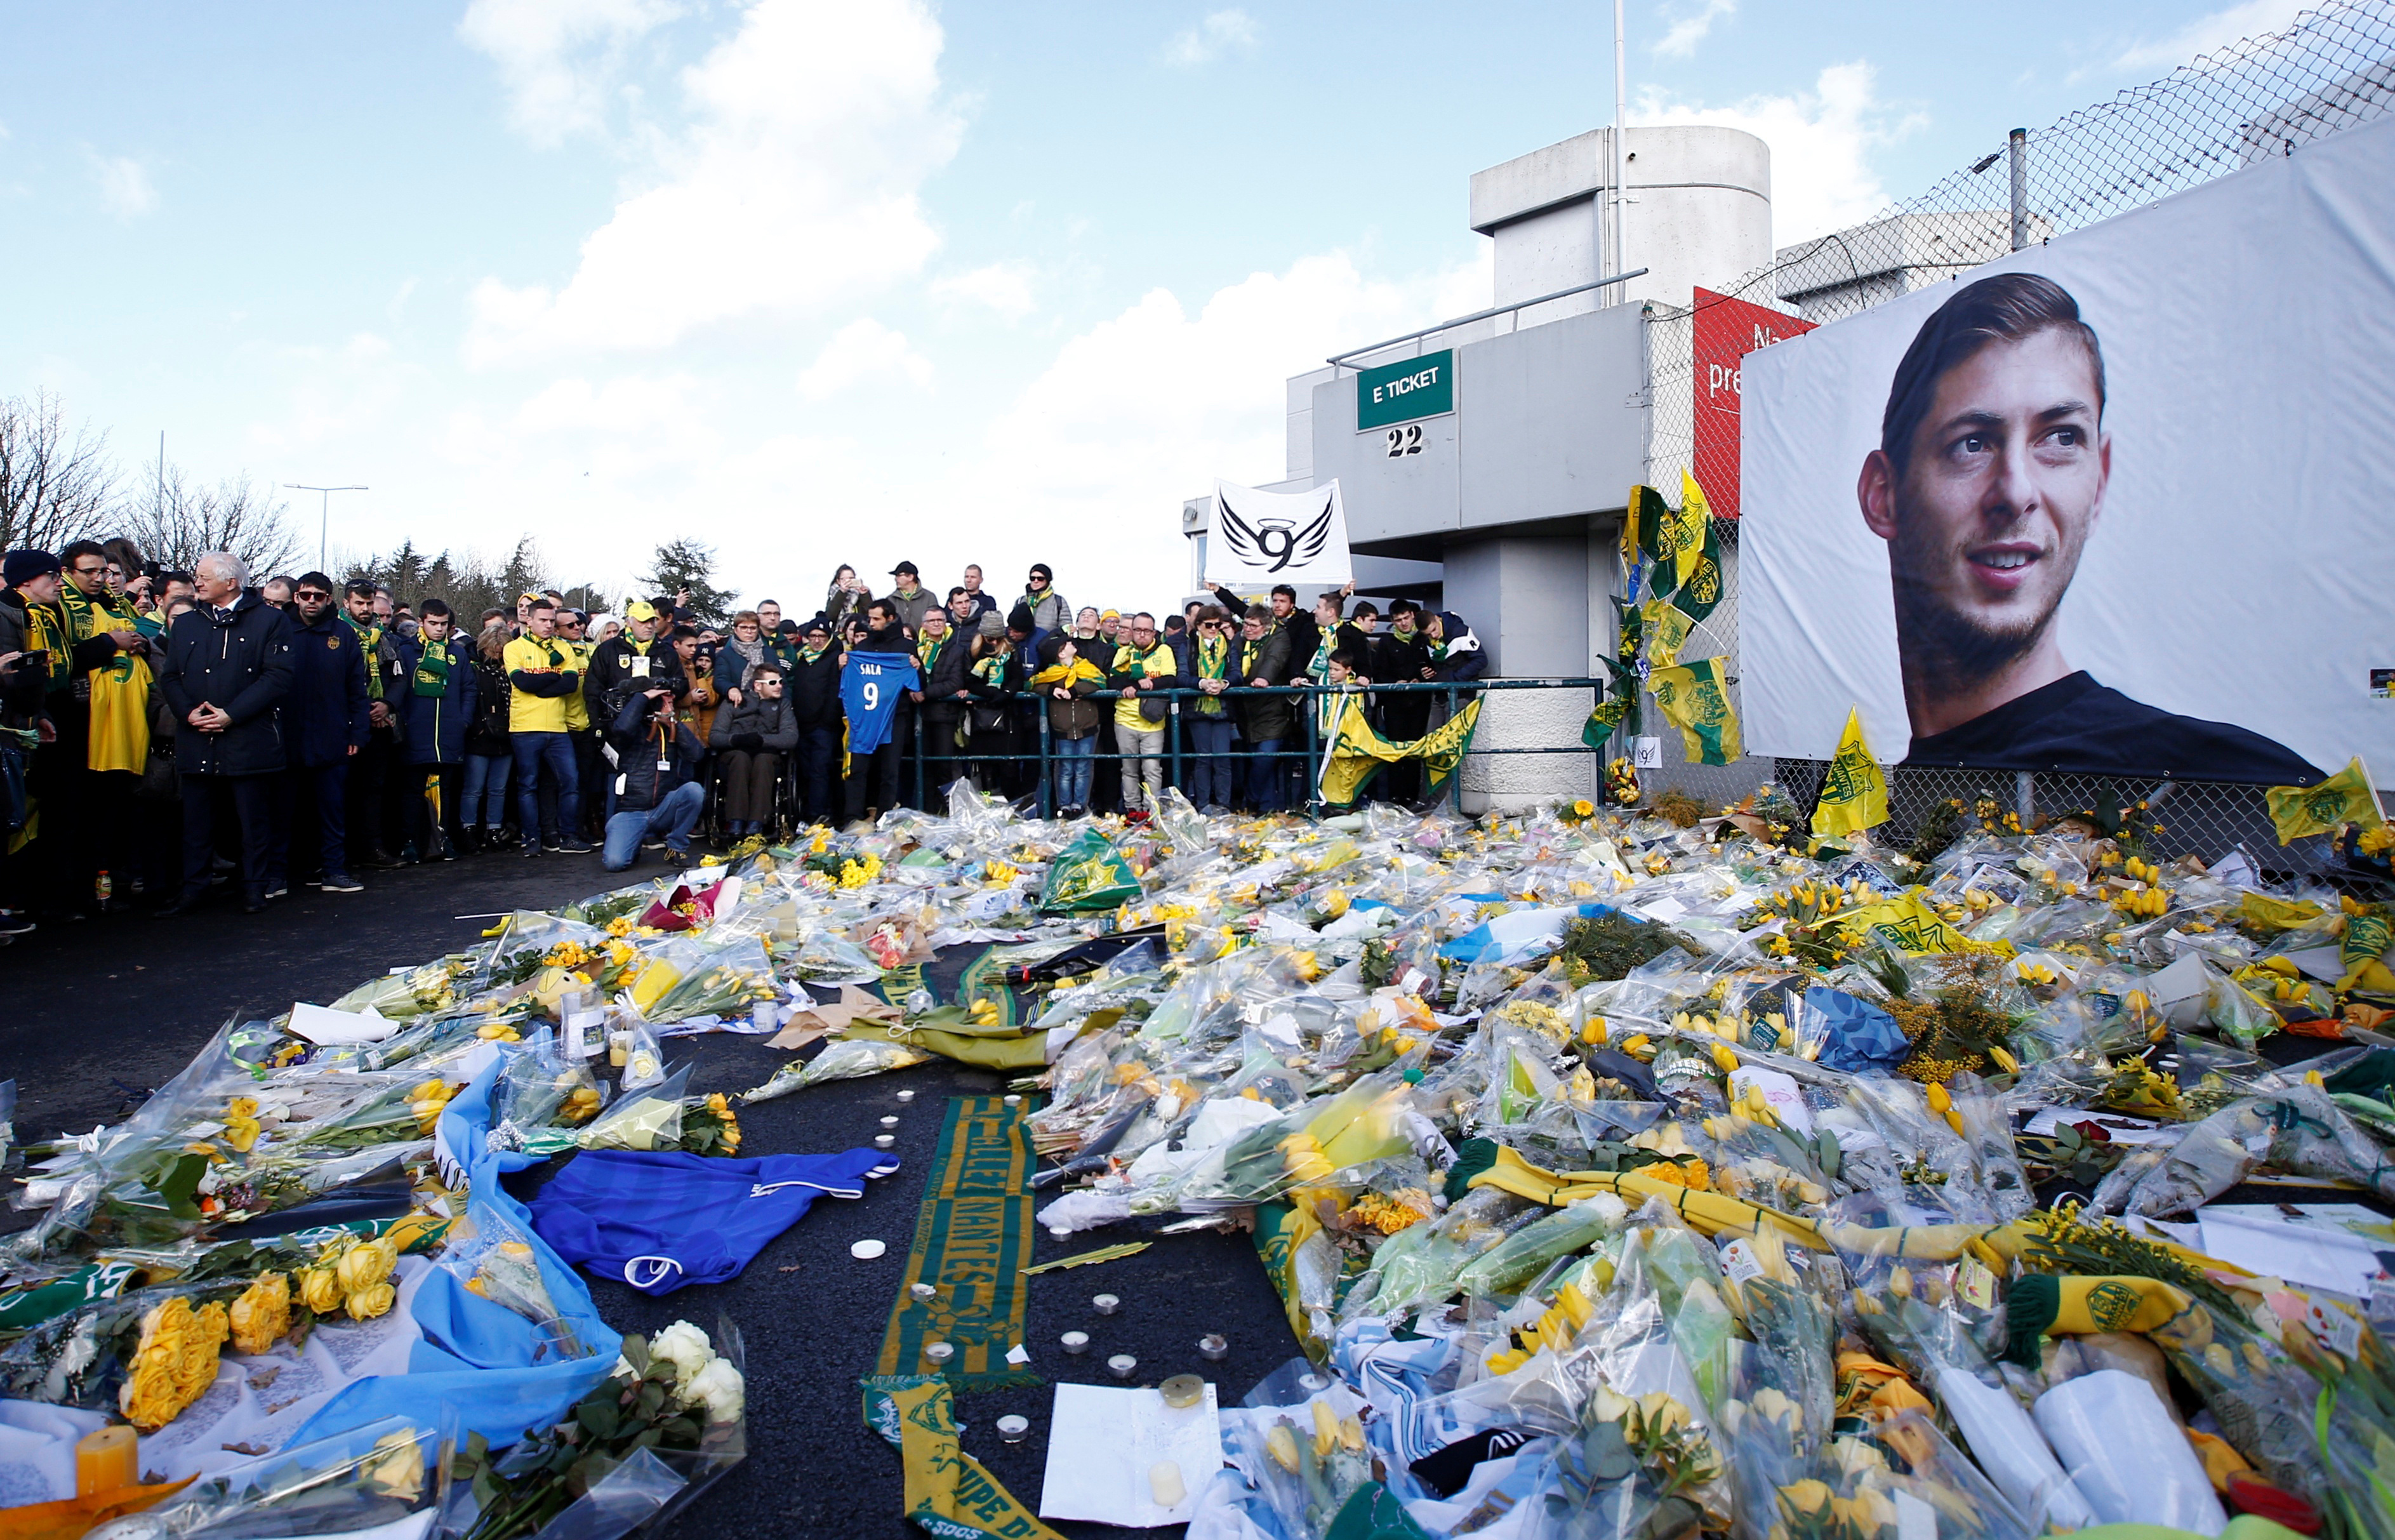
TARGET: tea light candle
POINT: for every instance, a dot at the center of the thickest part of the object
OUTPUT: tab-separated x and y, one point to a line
1122	1365
1075	1342
1182	1391
1011	1428
1105	1303
1214	1346
939	1352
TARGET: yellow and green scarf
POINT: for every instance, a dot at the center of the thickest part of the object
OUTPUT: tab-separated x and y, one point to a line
432	669
370	642
1213	655
1067	674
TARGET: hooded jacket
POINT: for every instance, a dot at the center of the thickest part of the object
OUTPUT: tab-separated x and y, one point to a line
1462	658
324	716
773	722
239	660
434	726
641	738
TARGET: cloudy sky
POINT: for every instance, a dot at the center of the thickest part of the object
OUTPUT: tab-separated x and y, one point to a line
860	279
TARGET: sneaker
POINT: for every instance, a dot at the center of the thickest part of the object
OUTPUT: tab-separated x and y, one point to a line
380	860
278	892
677	858
16	923
653	845
338	882
531	848
574	847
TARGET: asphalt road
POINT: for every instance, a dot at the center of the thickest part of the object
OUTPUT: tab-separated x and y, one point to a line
102	1011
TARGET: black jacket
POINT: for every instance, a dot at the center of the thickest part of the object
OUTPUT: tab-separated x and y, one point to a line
636	735
1262	717
325	715
814	691
434	727
992	710
241	661
611	672
493	698
774	723
944	680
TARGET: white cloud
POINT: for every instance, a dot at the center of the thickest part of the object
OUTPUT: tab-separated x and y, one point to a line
796	184
862	350
560	58
1004	287
1087	467
1210	39
2250	19
1821	140
123	186
1689	28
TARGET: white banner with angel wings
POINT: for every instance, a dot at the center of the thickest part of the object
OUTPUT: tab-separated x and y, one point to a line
1261	538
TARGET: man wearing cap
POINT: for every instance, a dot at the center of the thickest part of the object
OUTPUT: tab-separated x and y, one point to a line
911	599
630	661
1051	611
814	694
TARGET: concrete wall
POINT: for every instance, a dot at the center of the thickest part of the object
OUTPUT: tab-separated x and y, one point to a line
1548	424
1700	211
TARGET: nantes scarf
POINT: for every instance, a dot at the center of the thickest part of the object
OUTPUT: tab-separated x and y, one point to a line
432	669
370	641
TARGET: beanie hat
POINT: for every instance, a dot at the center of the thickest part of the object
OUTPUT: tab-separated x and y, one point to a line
1019	618
991	625
20	567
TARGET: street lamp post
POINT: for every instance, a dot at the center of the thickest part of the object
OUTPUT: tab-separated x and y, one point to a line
324	513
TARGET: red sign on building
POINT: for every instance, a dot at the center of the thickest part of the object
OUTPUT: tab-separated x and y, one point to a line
1725	331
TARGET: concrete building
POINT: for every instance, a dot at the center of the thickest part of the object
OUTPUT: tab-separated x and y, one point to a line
1512	491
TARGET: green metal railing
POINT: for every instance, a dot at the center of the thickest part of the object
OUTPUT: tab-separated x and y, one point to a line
1178	754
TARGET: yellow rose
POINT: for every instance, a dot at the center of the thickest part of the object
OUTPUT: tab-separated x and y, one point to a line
365	1265
174	1364
261	1314
320	1291
366	1304
1806	1496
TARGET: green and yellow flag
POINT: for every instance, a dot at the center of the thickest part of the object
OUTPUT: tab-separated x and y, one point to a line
2346	797
1695	698
1667	631
1687	529
1356	752
1642	525
1855	795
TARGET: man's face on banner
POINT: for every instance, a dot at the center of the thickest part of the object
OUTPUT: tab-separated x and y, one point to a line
2005	478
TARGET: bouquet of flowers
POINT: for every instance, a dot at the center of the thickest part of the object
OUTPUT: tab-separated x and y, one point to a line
669	1420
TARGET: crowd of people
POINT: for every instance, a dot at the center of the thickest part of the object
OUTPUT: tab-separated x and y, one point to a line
164	734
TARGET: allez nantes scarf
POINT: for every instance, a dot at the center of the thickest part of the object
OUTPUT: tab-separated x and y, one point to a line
432	669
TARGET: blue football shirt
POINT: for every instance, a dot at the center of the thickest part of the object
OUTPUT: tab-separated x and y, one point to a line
870	687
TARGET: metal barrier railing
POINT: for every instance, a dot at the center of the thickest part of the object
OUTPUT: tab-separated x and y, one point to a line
1178	752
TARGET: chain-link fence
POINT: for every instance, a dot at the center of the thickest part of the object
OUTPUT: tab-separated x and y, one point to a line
2332	70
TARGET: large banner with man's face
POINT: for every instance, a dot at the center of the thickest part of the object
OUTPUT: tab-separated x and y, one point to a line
2124	503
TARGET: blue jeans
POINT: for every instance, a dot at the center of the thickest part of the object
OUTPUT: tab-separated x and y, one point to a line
487	790
1209	779
1075	759
673	817
556	751
1264	776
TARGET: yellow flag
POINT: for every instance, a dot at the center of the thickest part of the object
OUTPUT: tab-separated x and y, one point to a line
1695	698
1690	526
2346	797
1910	926
1855	795
1353	752
1667	631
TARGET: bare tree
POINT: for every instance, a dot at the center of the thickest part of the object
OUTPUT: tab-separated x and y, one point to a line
180	519
51	491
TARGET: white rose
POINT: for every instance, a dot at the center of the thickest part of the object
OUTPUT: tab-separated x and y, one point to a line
719	1388
685	1348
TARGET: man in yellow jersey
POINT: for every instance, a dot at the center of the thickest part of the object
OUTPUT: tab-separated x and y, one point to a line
545	673
1141	663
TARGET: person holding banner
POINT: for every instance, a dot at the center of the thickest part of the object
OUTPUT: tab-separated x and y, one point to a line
1990	477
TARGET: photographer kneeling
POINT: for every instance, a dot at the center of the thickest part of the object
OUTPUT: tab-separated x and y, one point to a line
656	793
